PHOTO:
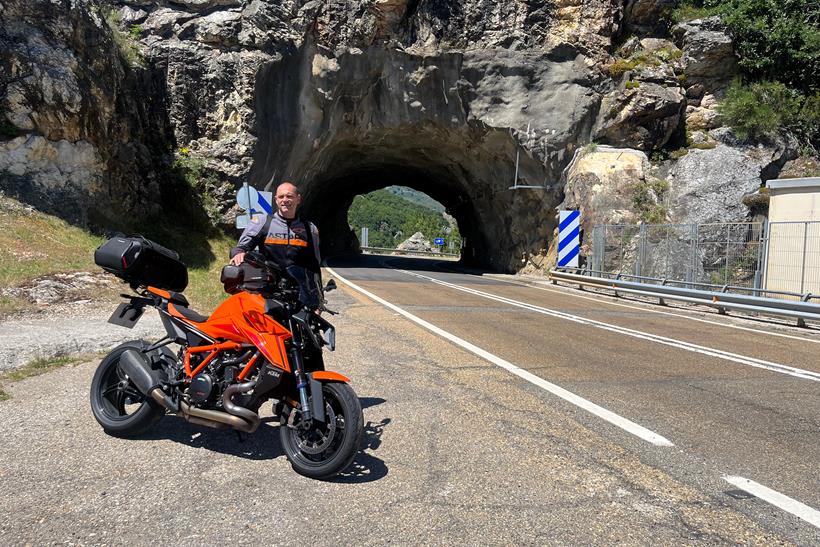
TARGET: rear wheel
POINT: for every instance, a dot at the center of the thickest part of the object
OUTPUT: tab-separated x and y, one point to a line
117	405
322	450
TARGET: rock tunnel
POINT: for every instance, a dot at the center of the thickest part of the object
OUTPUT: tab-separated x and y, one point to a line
343	124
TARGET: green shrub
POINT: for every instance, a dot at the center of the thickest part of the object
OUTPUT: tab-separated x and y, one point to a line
646	197
775	40
620	66
631	84
764	109
126	41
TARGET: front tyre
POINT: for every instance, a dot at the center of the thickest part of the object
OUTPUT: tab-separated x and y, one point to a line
117	405
323	450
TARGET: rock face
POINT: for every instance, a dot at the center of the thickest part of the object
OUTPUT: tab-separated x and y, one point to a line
709	185
74	118
344	97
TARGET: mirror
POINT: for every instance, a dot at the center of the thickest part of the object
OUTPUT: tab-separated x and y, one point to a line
331	285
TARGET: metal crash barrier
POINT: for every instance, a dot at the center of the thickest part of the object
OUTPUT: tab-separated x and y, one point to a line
800	308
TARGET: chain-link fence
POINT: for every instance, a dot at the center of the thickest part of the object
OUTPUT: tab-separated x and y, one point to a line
775	256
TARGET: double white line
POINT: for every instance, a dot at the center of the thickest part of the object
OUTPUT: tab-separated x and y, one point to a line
680	344
781	501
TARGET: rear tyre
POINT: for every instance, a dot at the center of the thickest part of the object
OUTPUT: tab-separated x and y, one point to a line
325	449
116	403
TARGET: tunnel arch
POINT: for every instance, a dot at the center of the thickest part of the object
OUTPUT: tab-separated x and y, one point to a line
344	124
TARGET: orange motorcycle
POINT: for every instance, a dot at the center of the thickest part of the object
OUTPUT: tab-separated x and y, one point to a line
263	343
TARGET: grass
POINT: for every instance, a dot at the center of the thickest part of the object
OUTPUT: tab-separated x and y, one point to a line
33	244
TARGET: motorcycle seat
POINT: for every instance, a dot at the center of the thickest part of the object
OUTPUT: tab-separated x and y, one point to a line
171	296
187	313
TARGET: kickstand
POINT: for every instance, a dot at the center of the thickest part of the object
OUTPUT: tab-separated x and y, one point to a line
239	436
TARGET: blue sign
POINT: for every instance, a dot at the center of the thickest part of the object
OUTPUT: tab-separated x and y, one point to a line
569	238
439	241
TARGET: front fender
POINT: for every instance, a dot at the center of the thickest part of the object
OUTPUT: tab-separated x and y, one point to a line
329	376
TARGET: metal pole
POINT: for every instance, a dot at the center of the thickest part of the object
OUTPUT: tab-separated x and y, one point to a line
764	267
641	250
726	254
759	268
693	234
803	263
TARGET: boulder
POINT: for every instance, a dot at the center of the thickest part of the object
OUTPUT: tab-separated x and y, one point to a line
708	185
416	242
638	114
708	53
600	182
647	16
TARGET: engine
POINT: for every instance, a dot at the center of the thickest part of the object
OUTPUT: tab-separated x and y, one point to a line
206	388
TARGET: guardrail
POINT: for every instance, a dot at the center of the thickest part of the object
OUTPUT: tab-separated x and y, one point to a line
384	250
801	310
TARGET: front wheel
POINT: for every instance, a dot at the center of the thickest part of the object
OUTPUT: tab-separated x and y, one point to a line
323	450
116	403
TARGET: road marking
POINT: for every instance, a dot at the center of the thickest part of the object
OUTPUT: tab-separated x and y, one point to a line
606	301
615	419
680	344
781	501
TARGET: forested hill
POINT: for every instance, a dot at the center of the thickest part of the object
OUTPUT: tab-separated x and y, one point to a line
417	197
392	219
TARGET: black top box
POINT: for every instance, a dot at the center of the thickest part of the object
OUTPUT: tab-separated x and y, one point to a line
140	261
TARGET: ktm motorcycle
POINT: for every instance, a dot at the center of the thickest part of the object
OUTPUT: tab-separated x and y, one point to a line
261	344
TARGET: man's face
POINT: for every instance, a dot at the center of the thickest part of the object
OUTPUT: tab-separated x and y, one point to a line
287	200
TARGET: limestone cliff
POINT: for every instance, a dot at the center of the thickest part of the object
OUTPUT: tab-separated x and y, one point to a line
344	97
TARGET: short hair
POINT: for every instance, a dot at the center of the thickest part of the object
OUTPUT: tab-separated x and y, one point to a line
298	191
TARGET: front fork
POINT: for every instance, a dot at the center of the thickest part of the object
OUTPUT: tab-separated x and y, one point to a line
317	410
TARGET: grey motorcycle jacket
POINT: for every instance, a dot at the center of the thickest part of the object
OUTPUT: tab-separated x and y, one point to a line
285	242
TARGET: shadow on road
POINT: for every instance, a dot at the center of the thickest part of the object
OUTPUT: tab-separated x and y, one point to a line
367	467
403	263
263	444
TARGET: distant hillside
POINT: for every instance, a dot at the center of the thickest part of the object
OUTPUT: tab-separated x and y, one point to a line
414	196
392	218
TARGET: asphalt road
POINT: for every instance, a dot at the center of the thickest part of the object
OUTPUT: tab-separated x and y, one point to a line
457	450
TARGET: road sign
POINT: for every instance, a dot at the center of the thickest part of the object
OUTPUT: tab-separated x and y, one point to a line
365	241
569	238
253	202
439	241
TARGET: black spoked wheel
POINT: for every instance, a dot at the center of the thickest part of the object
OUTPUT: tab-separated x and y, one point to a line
116	403
322	450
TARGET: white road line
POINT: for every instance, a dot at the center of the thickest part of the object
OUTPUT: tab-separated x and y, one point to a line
605	300
781	501
615	419
680	344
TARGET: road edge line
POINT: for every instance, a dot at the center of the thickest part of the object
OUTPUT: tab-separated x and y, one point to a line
607	415
773	497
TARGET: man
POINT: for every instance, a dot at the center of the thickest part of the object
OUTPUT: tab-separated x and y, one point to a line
284	239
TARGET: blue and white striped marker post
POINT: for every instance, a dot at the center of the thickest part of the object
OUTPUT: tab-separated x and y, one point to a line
569	238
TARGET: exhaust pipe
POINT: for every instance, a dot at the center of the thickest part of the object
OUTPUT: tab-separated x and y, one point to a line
148	382
237	417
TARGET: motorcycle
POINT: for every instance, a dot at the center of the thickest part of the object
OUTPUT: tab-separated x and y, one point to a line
261	344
